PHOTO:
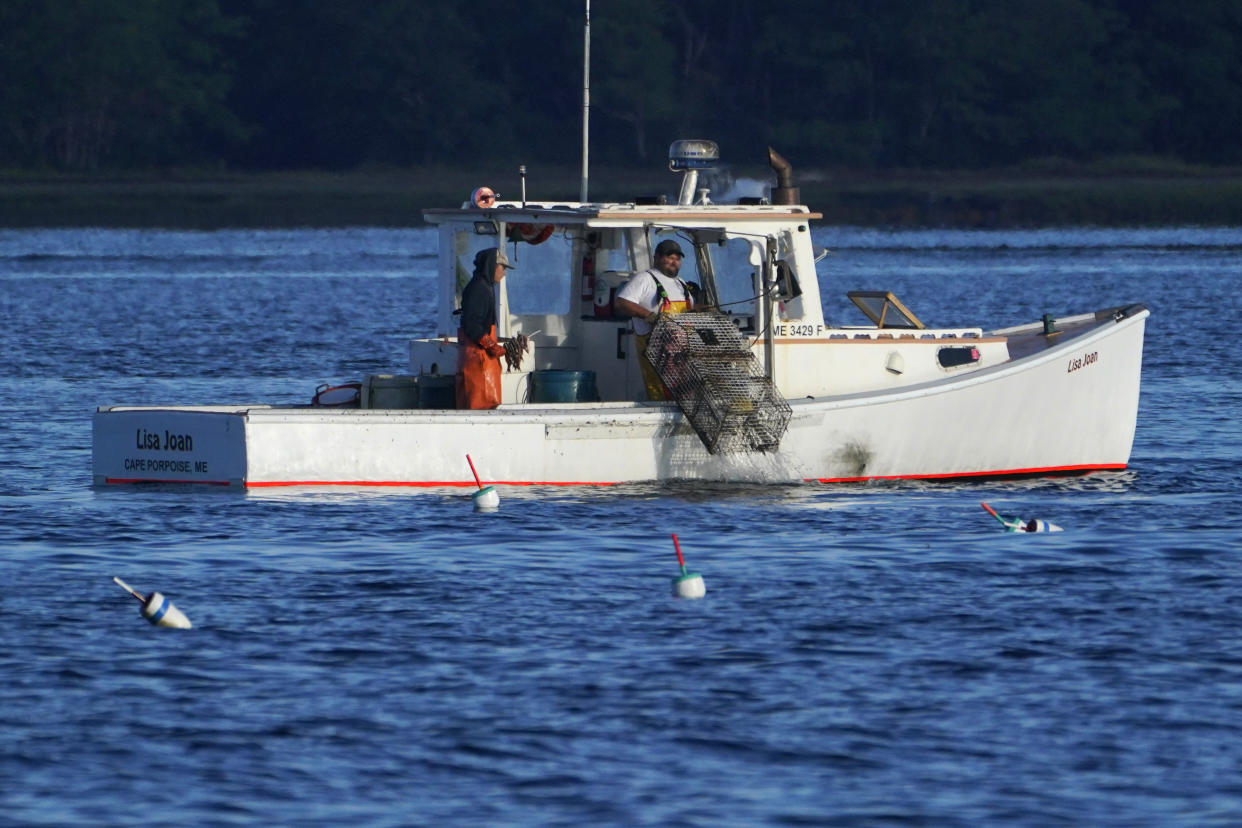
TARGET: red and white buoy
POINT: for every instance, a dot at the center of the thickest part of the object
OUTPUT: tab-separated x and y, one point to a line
1015	524
483	197
157	609
485	499
687	584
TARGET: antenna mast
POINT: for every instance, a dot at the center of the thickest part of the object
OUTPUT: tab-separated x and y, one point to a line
586	97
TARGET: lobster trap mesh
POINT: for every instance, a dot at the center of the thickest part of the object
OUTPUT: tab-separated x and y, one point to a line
709	370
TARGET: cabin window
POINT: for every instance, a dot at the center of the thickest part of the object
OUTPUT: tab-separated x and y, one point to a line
952	357
613	258
736	283
540	280
542	276
728	266
689	266
465	245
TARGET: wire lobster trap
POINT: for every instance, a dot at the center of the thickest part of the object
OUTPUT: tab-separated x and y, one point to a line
710	371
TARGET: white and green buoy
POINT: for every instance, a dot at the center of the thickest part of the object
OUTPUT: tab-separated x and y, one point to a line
687	584
486	499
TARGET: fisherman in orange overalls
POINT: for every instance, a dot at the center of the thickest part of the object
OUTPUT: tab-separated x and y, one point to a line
477	384
645	297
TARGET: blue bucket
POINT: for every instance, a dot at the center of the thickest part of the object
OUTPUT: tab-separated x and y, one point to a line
563	386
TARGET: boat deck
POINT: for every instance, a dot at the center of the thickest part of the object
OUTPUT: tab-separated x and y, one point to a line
1027	340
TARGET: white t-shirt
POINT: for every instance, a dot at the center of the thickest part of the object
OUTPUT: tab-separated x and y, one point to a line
641	290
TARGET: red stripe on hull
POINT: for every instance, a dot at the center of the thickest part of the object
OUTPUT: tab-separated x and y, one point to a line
429	484
1034	472
1046	471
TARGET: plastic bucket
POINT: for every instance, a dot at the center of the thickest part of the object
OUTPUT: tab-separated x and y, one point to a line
348	395
436	391
563	386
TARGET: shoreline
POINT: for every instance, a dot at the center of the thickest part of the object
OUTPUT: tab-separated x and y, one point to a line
395	198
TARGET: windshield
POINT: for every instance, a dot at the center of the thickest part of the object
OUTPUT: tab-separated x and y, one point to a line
735	276
720	267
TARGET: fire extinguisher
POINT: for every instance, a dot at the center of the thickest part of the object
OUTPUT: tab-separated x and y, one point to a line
588	276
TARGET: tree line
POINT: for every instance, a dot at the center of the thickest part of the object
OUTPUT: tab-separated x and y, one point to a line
285	84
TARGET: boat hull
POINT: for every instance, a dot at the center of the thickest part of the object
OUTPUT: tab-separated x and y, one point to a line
1069	407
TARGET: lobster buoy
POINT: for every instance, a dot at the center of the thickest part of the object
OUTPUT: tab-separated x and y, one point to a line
1017	524
483	197
161	612
530	233
688	584
486	499
1037	525
157	609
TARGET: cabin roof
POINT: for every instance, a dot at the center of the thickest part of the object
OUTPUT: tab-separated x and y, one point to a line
621	213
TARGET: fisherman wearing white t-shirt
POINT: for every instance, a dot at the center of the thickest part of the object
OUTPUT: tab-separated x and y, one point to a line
647	295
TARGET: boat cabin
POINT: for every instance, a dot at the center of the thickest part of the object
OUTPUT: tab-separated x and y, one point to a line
753	260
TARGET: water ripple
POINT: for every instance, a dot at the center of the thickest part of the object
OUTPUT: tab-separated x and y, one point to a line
866	655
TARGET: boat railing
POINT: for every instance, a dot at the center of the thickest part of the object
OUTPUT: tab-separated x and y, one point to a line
888	333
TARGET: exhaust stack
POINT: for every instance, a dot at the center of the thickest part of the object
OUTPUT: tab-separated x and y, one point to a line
784	192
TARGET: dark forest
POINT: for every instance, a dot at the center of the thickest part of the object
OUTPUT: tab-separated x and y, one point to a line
266	85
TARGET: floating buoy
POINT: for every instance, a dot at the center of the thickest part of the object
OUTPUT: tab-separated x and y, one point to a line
687	584
486	499
157	609
1019	525
483	197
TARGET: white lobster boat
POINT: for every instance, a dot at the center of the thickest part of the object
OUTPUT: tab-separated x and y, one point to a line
881	402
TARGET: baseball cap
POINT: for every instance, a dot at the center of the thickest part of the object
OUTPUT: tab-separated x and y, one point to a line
489	257
669	246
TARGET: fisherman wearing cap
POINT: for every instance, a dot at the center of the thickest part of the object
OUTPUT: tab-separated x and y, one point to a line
477	384
646	296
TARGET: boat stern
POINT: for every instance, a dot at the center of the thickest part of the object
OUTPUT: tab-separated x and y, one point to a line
168	445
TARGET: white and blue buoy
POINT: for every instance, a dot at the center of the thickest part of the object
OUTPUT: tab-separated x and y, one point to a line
687	584
157	609
1016	524
1037	525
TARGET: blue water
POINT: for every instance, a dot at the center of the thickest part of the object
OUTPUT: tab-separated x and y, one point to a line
865	655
